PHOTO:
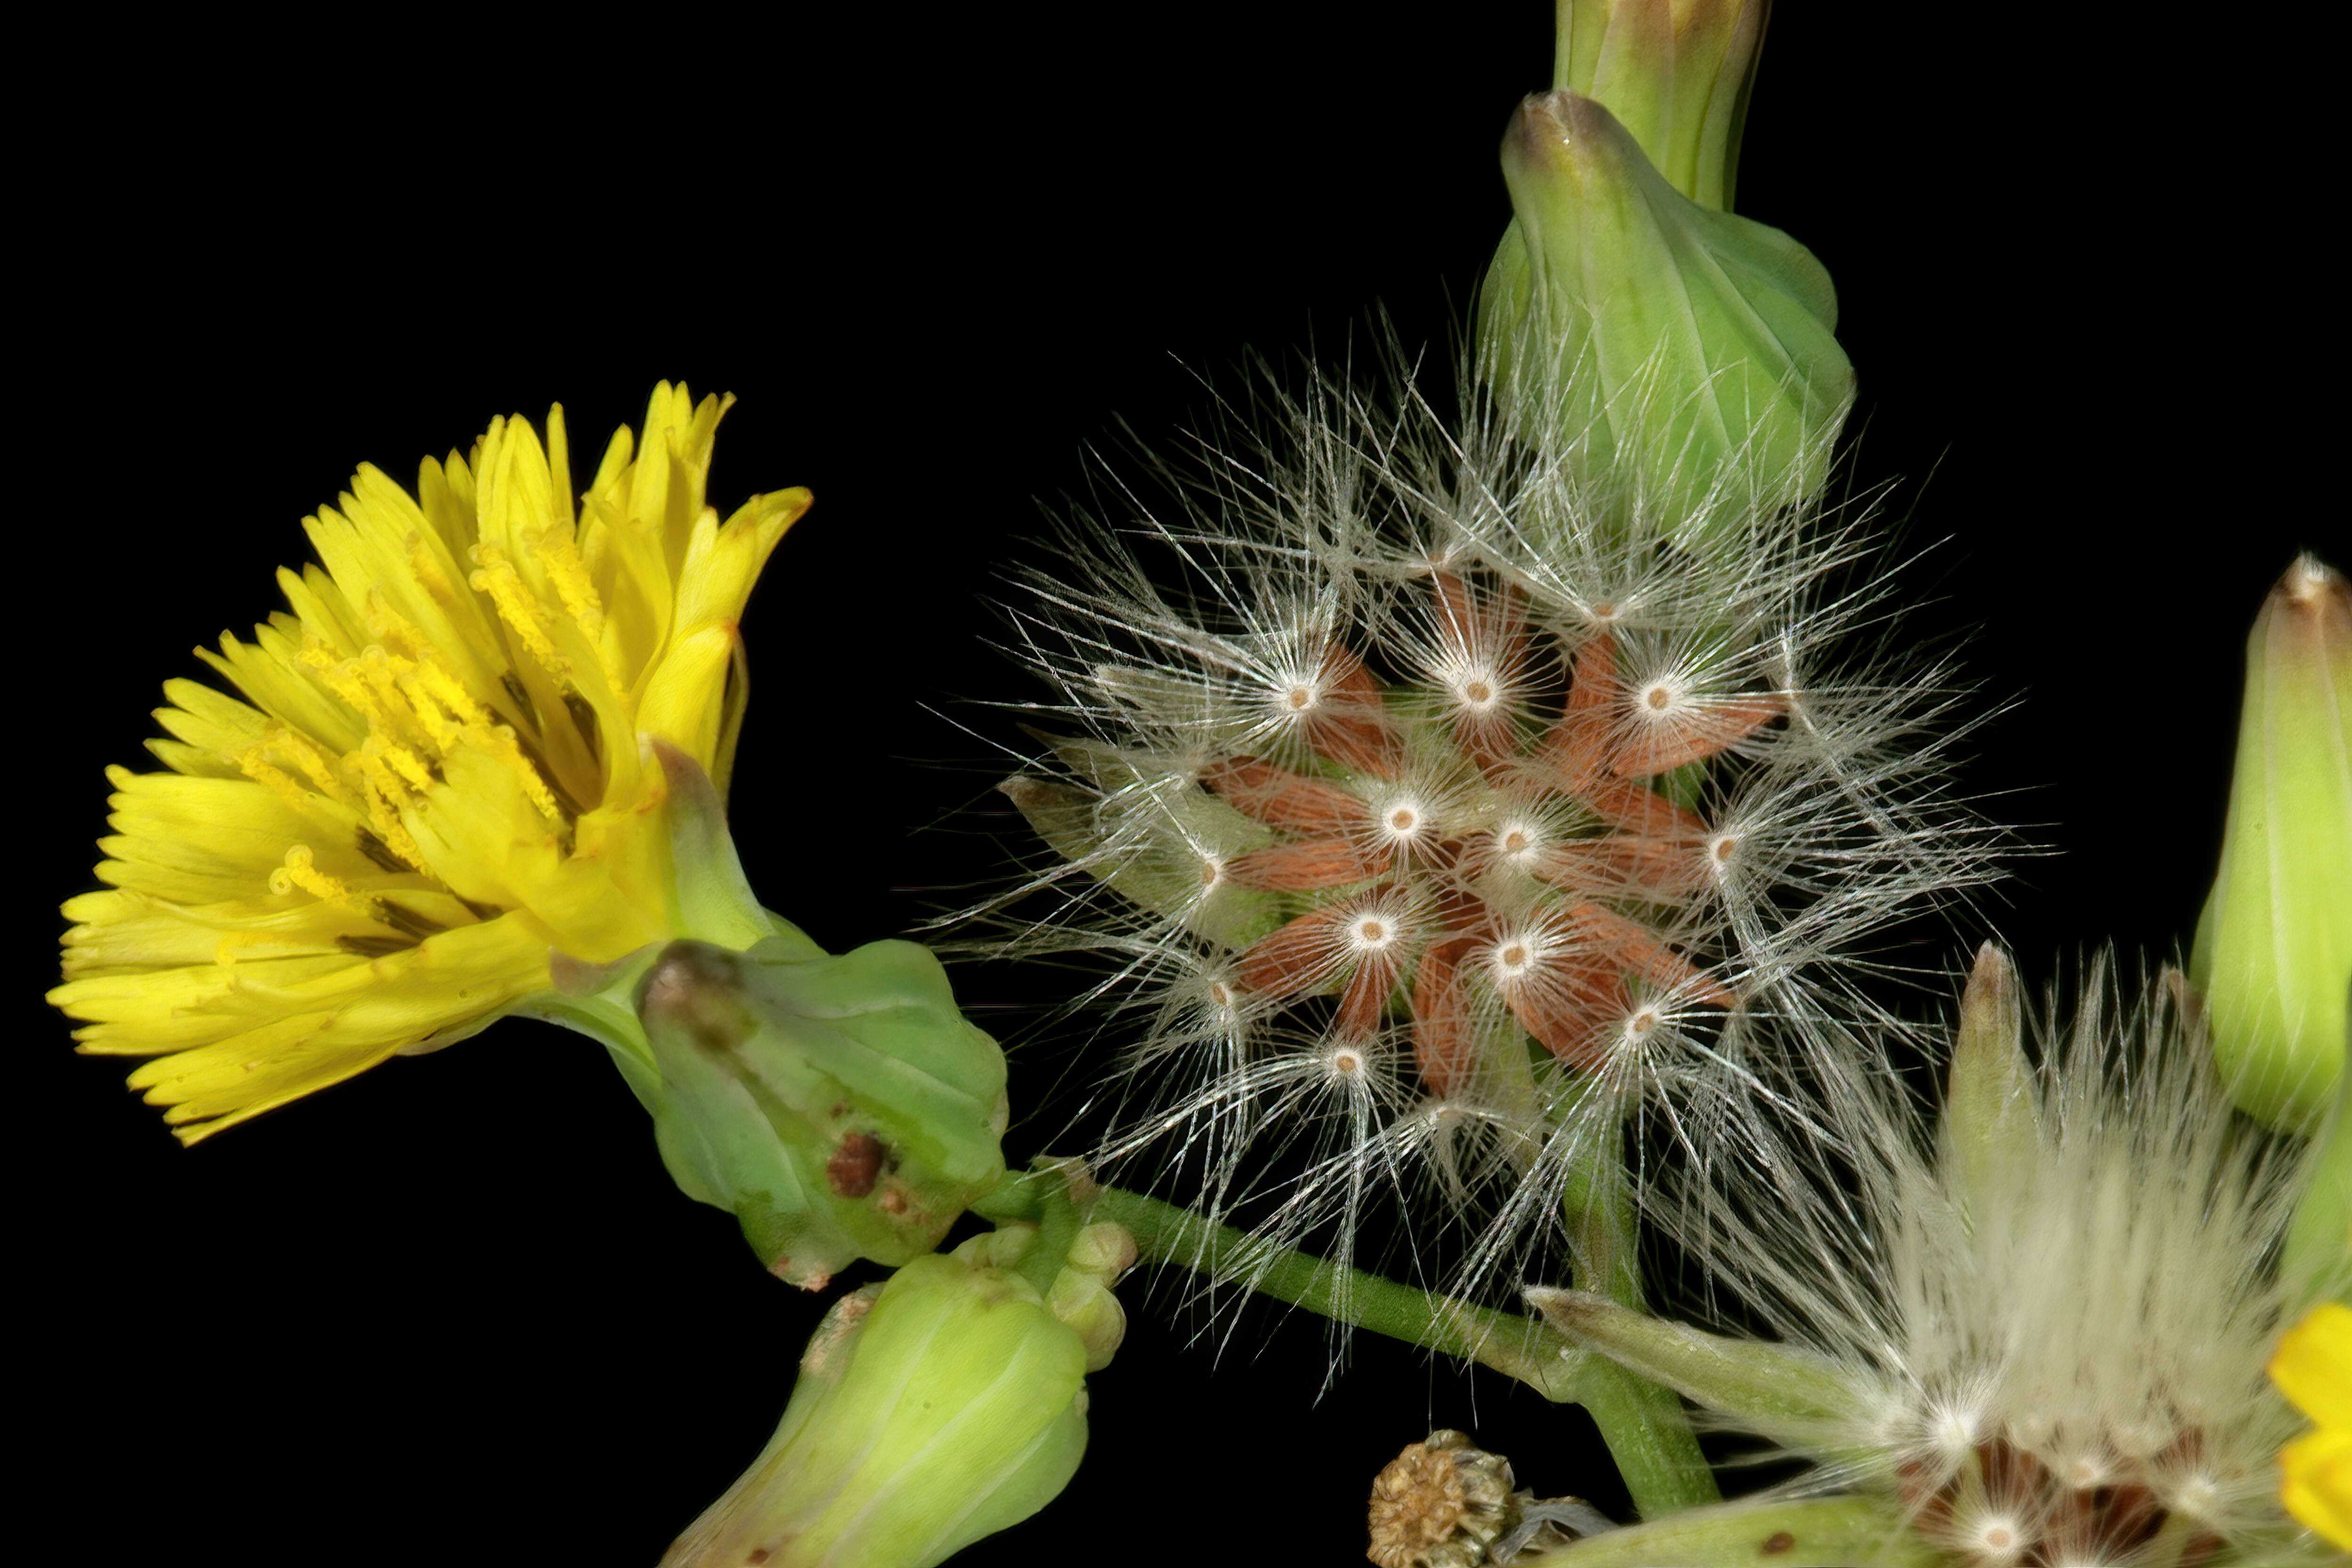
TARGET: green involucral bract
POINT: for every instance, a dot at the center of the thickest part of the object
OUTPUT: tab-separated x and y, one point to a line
1679	363
840	1107
2274	954
1991	1134
942	1406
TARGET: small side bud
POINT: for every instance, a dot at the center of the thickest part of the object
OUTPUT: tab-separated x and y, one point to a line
2274	953
840	1108
1990	1130
1680	361
943	1406
1081	1296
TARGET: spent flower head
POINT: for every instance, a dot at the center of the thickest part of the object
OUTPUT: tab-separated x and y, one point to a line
449	762
1432	823
2034	1335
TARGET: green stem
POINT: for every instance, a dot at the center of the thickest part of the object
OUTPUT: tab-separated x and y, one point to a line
1644	1423
1164	1231
1518	1347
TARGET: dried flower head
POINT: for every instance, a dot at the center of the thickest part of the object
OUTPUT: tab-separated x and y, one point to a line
2037	1334
1439	803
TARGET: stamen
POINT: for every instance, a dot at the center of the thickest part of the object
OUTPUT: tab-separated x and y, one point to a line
450	692
496	576
298	872
373	946
315	764
557	556
378	851
426	565
500	741
405	921
274	780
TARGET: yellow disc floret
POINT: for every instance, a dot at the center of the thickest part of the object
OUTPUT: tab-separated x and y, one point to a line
438	773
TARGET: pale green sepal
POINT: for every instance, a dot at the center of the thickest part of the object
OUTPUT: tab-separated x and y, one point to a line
1812	1532
1675	73
945	1405
1795	1397
2273	952
1682	364
1991	1127
840	1108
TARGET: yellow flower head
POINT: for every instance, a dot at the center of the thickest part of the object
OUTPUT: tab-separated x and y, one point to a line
441	771
2314	1369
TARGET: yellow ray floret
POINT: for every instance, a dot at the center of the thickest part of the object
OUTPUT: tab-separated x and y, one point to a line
2314	1369
437	776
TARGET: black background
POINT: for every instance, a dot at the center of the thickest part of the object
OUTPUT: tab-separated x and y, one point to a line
453	1311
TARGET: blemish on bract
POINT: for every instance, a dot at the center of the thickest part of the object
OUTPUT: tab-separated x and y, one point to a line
855	1165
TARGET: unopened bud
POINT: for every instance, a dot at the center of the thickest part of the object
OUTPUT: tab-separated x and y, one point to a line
1990	1132
1675	73
1081	1296
2274	954
941	1406
1680	364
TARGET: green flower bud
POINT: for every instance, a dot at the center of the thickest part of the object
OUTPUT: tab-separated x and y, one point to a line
1675	73
2274	954
943	1406
841	1108
1683	363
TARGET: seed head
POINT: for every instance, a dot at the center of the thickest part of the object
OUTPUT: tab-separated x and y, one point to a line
2038	1332
1359	769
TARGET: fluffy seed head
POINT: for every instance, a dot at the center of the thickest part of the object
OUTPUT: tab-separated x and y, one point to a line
1391	743
2046	1323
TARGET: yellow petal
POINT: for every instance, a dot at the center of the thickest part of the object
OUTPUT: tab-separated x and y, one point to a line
2313	1366
433	773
